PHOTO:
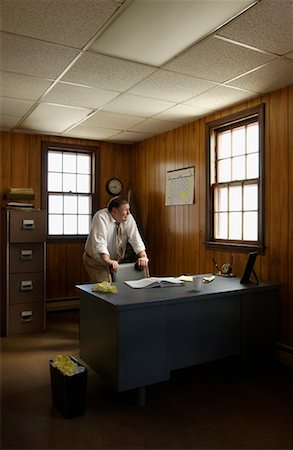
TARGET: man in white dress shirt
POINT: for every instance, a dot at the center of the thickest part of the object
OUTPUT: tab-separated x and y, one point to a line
111	229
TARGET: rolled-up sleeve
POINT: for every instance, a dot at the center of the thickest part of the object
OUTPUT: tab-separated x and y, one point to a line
134	236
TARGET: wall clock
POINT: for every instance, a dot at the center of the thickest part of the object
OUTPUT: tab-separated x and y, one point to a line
114	186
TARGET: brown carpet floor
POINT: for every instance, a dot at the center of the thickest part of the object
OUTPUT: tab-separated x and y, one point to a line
221	405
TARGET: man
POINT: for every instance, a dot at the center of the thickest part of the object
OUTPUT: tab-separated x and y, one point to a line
111	229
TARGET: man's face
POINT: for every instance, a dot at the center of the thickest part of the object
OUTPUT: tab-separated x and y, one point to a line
121	214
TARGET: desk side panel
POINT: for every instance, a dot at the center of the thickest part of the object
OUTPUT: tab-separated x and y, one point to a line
98	337
204	330
260	324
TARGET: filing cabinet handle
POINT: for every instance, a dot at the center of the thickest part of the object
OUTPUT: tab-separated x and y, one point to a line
26	316
28	224
26	285
26	255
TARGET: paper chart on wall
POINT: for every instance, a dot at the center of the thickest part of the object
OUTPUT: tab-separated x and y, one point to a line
180	187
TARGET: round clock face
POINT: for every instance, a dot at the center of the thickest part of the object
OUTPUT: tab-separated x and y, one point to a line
114	186
226	268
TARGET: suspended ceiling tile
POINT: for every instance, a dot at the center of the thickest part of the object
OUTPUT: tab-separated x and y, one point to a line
30	57
14	107
183	113
220	97
67	22
22	86
83	132
267	26
54	118
74	95
171	86
106	72
137	106
136	34
129	137
112	120
275	75
217	60
155	126
8	122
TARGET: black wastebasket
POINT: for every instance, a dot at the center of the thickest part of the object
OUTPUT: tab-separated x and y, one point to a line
69	392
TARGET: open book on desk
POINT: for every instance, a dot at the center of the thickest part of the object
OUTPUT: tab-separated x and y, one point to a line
153	282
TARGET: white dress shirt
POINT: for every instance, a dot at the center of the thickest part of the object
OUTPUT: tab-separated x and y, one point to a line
102	236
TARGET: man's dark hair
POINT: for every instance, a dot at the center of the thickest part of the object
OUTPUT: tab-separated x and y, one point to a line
116	202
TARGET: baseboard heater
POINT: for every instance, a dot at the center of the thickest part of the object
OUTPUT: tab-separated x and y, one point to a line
285	354
57	304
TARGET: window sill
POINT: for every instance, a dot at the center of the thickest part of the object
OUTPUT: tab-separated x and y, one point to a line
234	247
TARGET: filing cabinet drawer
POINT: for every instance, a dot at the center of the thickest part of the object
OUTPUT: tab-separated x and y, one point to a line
26	257
26	318
26	226
26	288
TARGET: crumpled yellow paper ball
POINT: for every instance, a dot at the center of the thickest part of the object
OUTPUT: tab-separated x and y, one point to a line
65	365
105	287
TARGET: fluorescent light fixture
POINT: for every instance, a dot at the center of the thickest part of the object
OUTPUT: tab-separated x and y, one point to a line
154	31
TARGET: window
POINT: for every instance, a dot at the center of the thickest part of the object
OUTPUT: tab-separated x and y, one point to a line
68	189
235	181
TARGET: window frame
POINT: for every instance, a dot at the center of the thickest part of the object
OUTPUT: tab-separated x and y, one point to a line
70	148
222	124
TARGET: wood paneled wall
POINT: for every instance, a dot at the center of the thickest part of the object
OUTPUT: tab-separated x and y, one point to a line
174	235
20	156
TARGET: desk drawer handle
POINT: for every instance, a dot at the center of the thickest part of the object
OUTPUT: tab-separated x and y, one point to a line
26	316
26	255
26	285
28	224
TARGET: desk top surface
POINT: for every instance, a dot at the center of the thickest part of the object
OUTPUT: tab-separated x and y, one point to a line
128	297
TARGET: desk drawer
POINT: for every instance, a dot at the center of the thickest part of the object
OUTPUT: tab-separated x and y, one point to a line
26	226
26	318
26	257
26	287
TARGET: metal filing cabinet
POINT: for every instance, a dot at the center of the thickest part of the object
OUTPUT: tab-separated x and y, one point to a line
25	271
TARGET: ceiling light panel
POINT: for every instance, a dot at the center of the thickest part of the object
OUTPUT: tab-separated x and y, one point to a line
137	32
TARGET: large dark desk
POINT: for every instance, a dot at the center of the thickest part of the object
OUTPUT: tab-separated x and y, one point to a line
138	336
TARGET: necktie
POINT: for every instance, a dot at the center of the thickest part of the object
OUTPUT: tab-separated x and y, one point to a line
119	244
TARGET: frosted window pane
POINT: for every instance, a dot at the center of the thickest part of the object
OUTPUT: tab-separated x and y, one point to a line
250	197
221	199
83	183
54	182
253	165
69	162
235	225
55	204
250	230
224	170
55	224
84	224
235	198
69	183
238	168
84	205
84	164
221	229
70	204
54	162
224	145
70	224
238	141
252	138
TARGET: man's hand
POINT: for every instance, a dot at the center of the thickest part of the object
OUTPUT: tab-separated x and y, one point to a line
142	262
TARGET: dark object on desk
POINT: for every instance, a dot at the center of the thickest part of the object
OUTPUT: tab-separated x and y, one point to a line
69	392
225	270
248	269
